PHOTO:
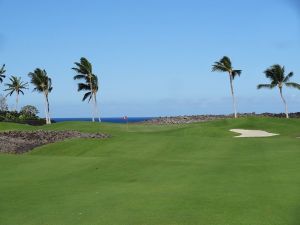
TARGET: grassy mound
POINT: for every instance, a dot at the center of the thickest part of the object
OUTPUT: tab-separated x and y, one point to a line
156	175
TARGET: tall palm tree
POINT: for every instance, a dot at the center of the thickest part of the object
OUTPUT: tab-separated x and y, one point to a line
43	84
90	94
84	71
278	78
2	73
17	86
224	65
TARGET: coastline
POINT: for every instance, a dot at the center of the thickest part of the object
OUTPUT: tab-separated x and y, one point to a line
205	118
178	119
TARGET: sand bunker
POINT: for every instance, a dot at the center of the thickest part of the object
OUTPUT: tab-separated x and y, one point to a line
252	133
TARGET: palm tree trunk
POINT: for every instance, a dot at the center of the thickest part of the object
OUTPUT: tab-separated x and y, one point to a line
97	108
46	108
91	87
17	101
233	97
285	104
95	105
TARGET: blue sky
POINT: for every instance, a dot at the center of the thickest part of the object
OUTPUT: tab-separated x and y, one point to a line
153	57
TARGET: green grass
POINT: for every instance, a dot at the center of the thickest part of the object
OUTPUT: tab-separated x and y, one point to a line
156	175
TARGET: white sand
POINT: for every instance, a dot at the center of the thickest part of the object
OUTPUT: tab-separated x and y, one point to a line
252	133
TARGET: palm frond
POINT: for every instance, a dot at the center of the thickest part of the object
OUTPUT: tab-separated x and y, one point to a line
86	87
79	77
287	78
2	73
86	64
226	62
269	86
293	85
235	73
218	67
9	93
83	68
83	87
95	83
275	73
49	84
87	95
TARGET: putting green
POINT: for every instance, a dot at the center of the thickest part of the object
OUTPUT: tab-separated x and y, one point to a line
156	175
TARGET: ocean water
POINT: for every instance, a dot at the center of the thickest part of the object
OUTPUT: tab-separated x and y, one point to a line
106	119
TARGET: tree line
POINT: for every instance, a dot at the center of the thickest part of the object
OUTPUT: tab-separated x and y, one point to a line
42	83
88	82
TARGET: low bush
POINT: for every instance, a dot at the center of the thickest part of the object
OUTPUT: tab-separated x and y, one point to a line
25	116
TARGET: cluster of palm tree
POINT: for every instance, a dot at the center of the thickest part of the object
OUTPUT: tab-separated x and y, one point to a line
42	83
276	74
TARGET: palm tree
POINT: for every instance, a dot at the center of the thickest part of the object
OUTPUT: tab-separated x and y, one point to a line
2	73
43	84
17	86
90	94
84	71
276	74
224	65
